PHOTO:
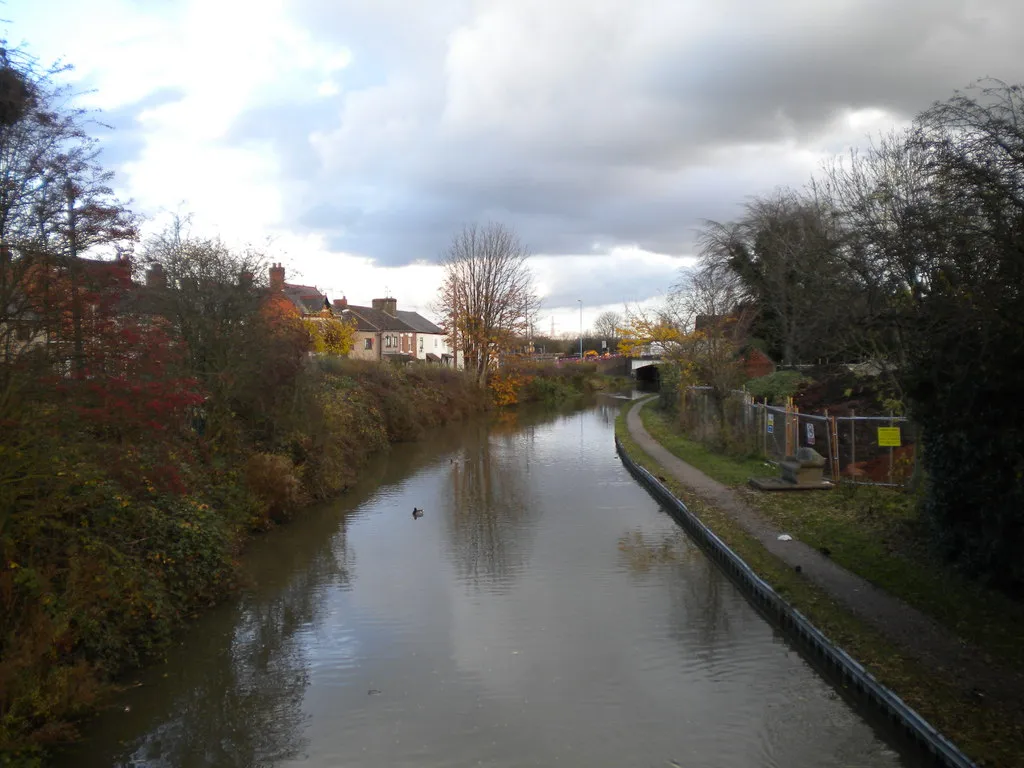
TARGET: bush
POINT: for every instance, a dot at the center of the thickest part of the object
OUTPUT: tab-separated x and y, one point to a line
776	387
273	480
670	380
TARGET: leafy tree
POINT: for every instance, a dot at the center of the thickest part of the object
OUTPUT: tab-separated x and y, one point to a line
330	336
965	369
784	252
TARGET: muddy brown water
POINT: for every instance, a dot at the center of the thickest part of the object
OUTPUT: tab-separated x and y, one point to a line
544	611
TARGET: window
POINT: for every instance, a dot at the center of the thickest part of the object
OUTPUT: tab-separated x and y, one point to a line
387	342
421	343
368	343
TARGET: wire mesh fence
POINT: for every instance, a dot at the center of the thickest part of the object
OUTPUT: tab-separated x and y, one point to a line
863	450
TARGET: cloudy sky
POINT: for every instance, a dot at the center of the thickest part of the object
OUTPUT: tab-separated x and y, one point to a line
361	134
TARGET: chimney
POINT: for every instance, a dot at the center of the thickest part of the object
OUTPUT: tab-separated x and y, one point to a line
340	304
245	279
388	306
156	277
276	277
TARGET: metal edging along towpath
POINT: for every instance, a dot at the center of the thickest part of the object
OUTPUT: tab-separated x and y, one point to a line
767	599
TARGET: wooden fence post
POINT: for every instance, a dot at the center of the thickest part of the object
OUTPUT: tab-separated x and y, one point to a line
853	437
834	444
785	426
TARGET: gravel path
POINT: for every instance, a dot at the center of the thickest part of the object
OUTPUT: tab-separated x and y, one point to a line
914	632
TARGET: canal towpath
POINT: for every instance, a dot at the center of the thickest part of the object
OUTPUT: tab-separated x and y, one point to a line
913	632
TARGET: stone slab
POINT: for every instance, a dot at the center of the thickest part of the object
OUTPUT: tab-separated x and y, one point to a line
778	484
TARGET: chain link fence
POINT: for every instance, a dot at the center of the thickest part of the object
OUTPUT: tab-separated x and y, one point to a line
862	450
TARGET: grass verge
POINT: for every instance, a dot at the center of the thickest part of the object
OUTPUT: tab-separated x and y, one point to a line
990	735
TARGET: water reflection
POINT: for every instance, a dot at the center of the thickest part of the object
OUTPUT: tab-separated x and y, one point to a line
544	610
489	504
231	695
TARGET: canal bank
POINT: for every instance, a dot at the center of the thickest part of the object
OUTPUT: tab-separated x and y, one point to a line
906	650
544	610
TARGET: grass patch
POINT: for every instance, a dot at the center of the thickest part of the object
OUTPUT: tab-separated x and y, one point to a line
725	469
874	532
989	734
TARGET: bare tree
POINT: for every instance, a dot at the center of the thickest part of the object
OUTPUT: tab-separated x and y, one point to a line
488	296
607	325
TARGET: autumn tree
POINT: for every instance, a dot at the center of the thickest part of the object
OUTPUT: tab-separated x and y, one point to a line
328	335
245	346
56	206
710	304
488	297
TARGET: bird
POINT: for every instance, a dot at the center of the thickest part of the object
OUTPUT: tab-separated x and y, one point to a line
416	513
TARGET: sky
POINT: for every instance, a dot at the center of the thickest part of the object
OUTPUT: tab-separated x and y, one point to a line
357	137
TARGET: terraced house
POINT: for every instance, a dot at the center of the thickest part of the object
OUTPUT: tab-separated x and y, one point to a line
383	332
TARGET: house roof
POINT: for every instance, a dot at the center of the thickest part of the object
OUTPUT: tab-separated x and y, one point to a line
418	322
307	298
369	319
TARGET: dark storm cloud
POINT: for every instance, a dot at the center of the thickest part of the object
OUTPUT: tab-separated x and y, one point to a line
595	124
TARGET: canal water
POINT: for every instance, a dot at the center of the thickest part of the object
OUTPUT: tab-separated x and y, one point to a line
543	611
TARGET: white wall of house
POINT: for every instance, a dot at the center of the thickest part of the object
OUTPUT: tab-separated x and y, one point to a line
436	344
429	342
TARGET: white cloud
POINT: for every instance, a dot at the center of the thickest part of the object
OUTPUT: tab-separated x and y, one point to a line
603	131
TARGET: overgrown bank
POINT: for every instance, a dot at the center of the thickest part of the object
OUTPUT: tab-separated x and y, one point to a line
982	716
109	543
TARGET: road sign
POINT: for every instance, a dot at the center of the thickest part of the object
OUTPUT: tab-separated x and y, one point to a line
810	433
771	423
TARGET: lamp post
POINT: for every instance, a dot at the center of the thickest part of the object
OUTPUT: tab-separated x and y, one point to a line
581	327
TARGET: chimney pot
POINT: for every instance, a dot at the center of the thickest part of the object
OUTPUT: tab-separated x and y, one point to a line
388	306
276	277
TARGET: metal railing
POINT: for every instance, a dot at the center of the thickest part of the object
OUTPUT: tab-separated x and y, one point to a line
862	450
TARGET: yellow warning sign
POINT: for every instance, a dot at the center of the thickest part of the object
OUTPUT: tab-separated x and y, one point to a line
889	437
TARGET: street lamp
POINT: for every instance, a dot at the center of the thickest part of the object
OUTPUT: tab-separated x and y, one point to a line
581	327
